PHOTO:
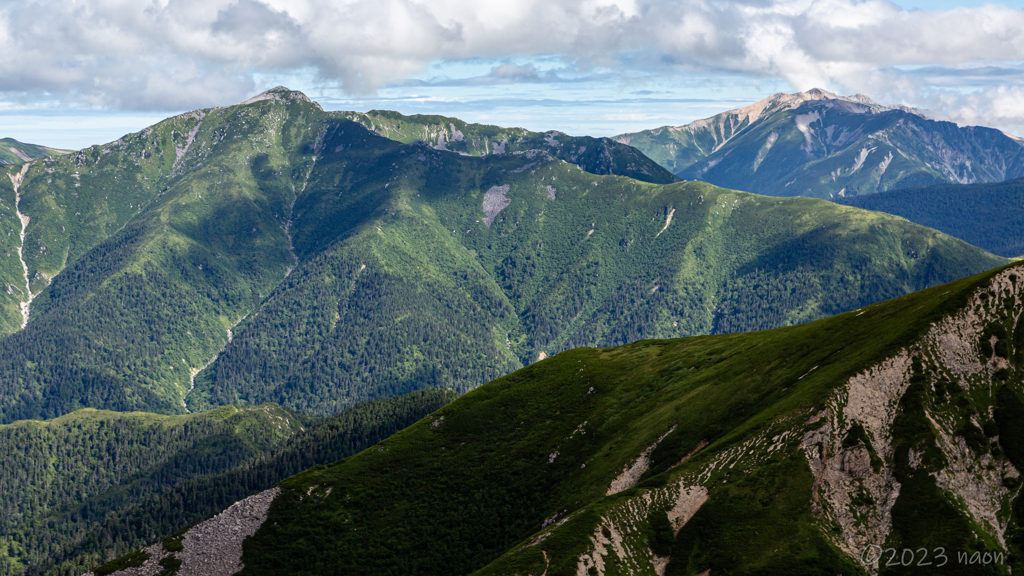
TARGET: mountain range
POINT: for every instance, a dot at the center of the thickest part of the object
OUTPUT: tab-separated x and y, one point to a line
822	145
274	252
250	276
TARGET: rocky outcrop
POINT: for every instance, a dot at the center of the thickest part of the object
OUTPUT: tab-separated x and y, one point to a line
616	539
631	473
855	493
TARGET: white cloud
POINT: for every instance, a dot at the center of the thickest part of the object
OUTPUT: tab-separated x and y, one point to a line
175	54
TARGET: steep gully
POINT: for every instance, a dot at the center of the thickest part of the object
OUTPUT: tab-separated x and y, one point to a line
295	258
16	180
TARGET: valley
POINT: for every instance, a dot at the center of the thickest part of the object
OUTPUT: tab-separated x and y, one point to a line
985	215
91	484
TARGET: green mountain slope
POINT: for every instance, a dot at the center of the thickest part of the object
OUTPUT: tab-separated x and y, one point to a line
794	450
92	483
141	255
822	145
14	152
594	155
606	261
990	216
317	264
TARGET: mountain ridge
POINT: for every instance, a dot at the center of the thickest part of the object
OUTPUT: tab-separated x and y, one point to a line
823	145
15	152
209	260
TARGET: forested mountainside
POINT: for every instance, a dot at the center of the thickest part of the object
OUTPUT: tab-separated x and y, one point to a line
271	251
14	152
92	484
594	155
823	145
990	216
809	449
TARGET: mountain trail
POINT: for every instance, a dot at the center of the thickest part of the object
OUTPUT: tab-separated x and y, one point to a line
16	180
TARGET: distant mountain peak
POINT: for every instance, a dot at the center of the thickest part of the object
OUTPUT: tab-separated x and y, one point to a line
282	94
817	94
781	101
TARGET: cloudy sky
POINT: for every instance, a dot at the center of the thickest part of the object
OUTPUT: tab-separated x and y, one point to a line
80	72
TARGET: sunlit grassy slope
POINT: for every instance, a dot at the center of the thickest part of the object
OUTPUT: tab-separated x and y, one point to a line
15	152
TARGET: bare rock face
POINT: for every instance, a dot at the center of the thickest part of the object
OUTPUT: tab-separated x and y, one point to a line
213	547
494	202
631	473
841	475
614	545
855	494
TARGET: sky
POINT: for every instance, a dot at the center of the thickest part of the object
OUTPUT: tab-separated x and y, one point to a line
79	72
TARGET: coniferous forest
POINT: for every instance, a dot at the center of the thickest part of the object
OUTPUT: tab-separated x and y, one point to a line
83	487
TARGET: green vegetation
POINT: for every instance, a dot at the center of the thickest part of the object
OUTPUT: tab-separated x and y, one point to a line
822	145
990	216
594	155
14	152
472	488
128	561
596	265
92	484
317	264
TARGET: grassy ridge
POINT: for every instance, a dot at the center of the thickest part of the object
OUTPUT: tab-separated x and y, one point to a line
466	489
594	155
15	152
